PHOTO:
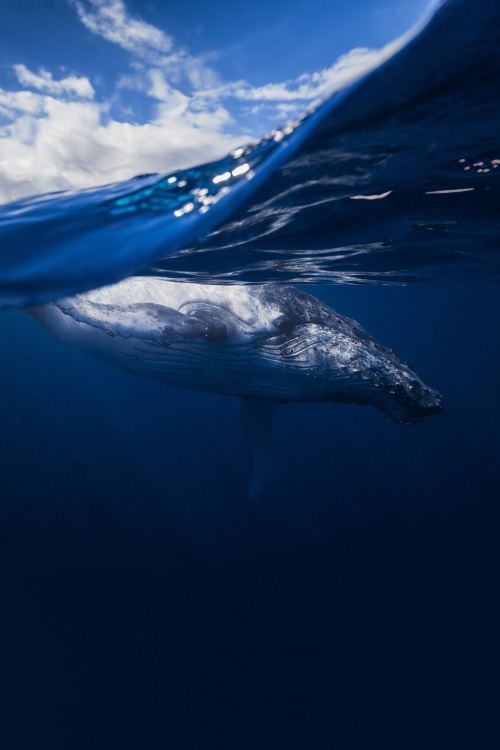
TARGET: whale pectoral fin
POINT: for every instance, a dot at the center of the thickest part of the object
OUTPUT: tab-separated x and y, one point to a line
257	417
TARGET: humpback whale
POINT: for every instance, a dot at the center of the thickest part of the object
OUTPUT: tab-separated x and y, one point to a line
267	344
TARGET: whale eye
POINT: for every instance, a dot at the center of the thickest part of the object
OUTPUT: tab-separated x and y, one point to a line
283	323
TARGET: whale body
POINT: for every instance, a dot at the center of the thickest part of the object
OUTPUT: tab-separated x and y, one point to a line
267	344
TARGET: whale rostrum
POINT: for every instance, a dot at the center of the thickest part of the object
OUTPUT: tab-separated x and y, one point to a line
267	344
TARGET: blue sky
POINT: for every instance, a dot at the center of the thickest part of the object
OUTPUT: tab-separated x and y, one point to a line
93	91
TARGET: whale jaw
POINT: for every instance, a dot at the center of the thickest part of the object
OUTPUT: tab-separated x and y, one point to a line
410	412
337	361
402	395
408	398
395	389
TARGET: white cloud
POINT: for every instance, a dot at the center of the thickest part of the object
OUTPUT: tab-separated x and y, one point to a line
53	144
312	86
14	102
71	85
49	141
160	89
109	19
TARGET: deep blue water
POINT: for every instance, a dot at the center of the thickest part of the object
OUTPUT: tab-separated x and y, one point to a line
145	602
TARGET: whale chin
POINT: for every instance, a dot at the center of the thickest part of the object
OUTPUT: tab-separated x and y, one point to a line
413	412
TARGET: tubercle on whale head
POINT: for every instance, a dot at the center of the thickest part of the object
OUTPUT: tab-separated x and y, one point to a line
404	407
355	367
407	398
409	413
339	362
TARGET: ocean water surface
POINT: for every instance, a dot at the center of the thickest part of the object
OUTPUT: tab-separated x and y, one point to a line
147	602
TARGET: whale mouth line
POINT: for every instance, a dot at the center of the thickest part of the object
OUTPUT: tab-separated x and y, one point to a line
412	413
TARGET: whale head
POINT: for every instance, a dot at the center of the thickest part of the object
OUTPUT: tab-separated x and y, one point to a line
396	389
342	363
408	398
330	357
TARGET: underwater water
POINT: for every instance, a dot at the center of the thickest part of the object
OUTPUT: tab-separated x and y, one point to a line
146	601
